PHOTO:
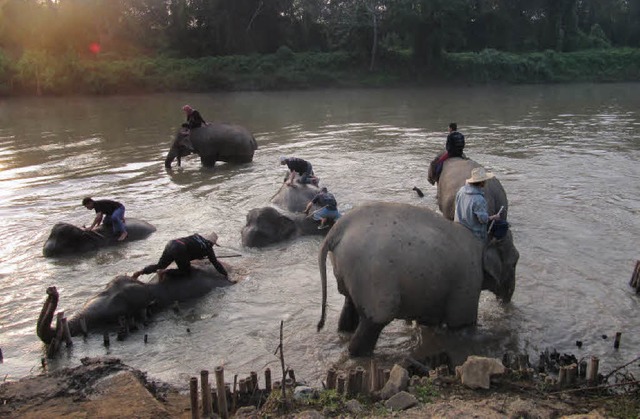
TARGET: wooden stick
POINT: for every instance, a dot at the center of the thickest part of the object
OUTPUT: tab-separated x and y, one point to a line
373	373
267	379
234	399
592	371
340	383
193	392
222	396
331	378
206	393
359	380
254	381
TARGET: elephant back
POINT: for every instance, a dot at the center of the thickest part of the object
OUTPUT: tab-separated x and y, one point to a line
294	198
229	143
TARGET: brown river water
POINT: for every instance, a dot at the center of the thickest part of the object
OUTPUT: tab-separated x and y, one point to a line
567	155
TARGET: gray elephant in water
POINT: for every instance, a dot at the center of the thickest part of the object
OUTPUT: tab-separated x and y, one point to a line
214	142
398	261
455	172
66	239
284	220
130	298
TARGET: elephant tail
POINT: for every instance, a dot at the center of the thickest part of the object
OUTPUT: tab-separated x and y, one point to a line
322	262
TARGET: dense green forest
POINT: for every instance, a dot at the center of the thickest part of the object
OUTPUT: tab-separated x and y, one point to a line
106	46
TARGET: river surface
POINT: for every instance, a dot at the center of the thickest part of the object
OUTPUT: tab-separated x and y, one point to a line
567	155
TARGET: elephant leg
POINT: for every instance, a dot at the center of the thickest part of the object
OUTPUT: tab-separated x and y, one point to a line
349	317
365	338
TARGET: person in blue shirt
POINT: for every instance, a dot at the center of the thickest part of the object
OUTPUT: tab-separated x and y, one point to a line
329	210
471	205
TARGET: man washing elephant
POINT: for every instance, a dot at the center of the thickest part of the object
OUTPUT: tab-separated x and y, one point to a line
111	213
471	205
328	211
301	167
182	251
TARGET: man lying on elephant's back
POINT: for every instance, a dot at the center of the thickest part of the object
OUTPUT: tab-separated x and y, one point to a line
182	251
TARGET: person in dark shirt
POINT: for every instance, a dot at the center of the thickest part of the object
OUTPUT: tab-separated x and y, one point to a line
110	212
194	119
300	166
453	148
329	210
182	251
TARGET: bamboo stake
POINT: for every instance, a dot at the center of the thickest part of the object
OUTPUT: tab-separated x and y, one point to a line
373	373
222	396
360	387
254	381
267	379
340	383
206	393
331	378
592	371
193	392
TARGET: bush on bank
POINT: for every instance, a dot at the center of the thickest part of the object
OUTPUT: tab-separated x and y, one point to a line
38	72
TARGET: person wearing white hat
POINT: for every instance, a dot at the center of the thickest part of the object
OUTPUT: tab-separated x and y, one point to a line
471	206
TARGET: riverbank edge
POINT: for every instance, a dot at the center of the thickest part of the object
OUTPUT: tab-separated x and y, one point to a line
105	387
287	70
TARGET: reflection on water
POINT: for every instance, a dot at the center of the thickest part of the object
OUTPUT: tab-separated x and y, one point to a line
567	156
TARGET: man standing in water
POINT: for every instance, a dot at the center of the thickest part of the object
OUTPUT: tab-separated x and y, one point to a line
471	206
111	212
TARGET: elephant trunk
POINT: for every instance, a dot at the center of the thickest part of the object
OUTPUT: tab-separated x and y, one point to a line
43	328
171	155
322	262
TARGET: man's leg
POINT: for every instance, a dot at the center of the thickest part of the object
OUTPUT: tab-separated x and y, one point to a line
118	225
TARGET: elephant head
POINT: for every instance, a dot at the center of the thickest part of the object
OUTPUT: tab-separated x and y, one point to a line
66	239
267	225
399	261
455	171
213	142
499	264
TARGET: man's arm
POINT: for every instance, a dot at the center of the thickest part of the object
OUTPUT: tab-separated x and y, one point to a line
216	264
96	221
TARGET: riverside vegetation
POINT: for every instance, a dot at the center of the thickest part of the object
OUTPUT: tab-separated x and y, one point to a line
45	74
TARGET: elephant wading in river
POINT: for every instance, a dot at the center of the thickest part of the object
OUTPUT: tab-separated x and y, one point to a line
125	297
398	261
269	225
66	239
455	172
214	142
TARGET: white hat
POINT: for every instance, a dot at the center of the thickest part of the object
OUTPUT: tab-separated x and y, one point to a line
479	175
283	159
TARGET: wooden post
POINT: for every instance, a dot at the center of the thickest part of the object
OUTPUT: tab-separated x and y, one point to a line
616	342
267	379
635	278
242	386
572	374
373	375
105	339
380	378
292	375
193	392
206	393
592	371
351	383
254	381
222	396
331	378
1	359
341	381
415	380
234	392
360	387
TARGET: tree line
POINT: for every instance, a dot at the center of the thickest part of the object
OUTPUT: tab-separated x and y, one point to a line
44	40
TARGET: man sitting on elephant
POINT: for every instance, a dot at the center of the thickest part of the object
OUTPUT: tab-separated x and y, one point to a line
194	119
471	206
329	210
453	148
183	251
300	166
111	212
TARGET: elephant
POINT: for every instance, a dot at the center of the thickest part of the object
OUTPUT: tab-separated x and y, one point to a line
399	261
454	173
284	219
214	142
268	225
125	297
66	239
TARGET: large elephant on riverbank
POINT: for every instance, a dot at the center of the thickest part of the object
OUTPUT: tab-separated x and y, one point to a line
399	261
66	239
284	220
214	142
455	172
125	297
